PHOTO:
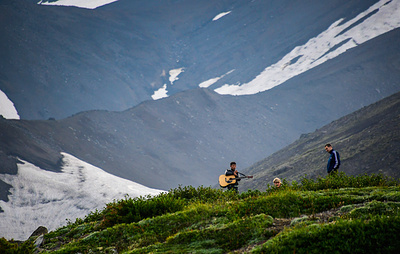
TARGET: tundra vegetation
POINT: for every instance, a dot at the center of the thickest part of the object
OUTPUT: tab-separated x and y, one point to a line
336	214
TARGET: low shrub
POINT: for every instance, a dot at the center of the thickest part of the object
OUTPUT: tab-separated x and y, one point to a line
234	235
291	203
380	234
375	208
200	194
12	247
341	180
135	209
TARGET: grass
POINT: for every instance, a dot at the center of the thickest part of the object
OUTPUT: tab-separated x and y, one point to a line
337	214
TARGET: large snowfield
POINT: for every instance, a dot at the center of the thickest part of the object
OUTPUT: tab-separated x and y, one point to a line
49	199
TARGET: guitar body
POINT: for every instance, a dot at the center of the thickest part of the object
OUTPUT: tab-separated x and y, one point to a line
228	180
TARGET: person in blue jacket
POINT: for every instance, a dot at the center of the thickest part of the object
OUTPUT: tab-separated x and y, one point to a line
334	159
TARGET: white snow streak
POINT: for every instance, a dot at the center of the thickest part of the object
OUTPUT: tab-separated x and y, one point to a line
220	15
322	48
88	4
44	198
210	82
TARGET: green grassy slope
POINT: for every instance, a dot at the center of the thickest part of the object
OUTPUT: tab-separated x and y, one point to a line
337	214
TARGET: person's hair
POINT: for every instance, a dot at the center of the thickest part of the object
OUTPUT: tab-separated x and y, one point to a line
233	163
328	145
276	180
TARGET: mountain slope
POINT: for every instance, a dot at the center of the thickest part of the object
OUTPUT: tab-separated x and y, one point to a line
367	141
189	138
118	55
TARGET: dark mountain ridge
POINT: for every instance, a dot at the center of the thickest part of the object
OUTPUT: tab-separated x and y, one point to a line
58	61
367	140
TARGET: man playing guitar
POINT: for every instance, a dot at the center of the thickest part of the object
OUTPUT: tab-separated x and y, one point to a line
230	172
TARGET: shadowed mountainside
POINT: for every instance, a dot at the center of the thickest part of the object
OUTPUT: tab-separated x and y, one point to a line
368	142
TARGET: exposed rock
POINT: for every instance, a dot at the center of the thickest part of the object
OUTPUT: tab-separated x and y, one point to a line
39	231
38	237
39	241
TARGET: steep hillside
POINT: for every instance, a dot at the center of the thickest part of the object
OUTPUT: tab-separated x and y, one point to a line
367	140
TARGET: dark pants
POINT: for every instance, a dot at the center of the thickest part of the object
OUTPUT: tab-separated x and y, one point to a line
333	172
233	187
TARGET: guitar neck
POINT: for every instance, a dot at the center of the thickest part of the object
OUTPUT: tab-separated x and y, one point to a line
241	177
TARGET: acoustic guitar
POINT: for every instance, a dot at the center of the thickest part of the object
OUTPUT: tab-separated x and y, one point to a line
227	180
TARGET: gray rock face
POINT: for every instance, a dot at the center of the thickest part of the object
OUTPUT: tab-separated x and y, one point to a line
39	231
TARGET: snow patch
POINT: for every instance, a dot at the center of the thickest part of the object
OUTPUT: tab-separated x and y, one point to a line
210	82
87	4
160	93
220	15
7	109
173	74
44	198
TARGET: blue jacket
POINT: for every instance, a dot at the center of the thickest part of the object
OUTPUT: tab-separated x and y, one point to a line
334	161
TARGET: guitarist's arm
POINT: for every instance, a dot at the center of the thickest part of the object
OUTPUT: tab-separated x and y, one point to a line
237	176
230	172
